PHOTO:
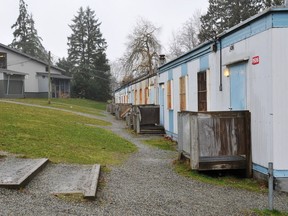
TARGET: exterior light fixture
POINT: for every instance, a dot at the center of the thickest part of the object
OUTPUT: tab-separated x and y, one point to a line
226	72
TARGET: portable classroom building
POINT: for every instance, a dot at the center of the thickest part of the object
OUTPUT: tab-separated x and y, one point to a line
142	90
244	69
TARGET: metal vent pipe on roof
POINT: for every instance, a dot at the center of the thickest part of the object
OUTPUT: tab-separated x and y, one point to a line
162	59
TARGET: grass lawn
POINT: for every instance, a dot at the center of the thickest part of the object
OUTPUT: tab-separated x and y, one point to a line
267	212
72	104
231	181
59	136
162	143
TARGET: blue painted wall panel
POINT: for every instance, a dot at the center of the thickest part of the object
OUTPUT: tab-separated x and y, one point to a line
184	70
171	121
261	25
151	95
129	98
254	28
280	20
204	62
276	173
240	35
161	104
195	54
170	75
132	97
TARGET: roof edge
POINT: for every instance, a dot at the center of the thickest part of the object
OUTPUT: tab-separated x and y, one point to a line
28	56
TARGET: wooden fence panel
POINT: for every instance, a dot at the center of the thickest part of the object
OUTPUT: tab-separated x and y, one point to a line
218	140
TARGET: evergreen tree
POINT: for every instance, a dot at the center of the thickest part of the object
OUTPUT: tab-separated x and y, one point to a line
91	72
223	14
66	65
271	3
213	21
25	35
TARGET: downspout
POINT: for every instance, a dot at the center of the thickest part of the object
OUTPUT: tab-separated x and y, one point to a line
220	67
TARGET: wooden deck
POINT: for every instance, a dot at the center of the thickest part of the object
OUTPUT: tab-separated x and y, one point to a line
222	163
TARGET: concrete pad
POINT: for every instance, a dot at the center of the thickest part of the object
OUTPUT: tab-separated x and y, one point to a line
17	172
68	179
91	185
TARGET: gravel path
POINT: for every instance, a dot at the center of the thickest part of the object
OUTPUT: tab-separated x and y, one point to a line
144	185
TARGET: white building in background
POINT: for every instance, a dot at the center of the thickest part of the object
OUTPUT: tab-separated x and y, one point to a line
24	76
244	69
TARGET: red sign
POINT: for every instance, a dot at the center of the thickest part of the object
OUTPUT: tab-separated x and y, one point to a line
255	60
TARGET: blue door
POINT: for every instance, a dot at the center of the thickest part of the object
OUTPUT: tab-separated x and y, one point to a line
161	103
238	86
151	96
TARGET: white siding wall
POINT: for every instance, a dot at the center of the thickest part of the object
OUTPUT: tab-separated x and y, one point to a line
43	83
259	91
30	67
217	100
193	69
176	97
280	98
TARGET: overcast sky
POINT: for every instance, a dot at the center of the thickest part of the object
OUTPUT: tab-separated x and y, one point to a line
118	17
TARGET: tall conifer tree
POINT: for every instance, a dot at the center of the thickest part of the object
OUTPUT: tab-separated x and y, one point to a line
25	35
224	14
91	75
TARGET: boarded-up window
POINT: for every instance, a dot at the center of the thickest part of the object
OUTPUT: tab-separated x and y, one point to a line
135	96
182	83
202	92
146	95
140	92
169	94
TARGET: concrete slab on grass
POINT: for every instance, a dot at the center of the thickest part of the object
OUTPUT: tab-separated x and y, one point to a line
17	172
68	179
91	185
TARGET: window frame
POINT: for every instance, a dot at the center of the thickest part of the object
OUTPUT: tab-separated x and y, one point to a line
202	91
4	64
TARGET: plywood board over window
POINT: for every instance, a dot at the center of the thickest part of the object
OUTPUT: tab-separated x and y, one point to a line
182	84
140	92
170	94
146	95
202	91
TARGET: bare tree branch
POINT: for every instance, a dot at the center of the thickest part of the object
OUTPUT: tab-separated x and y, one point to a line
187	37
143	49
